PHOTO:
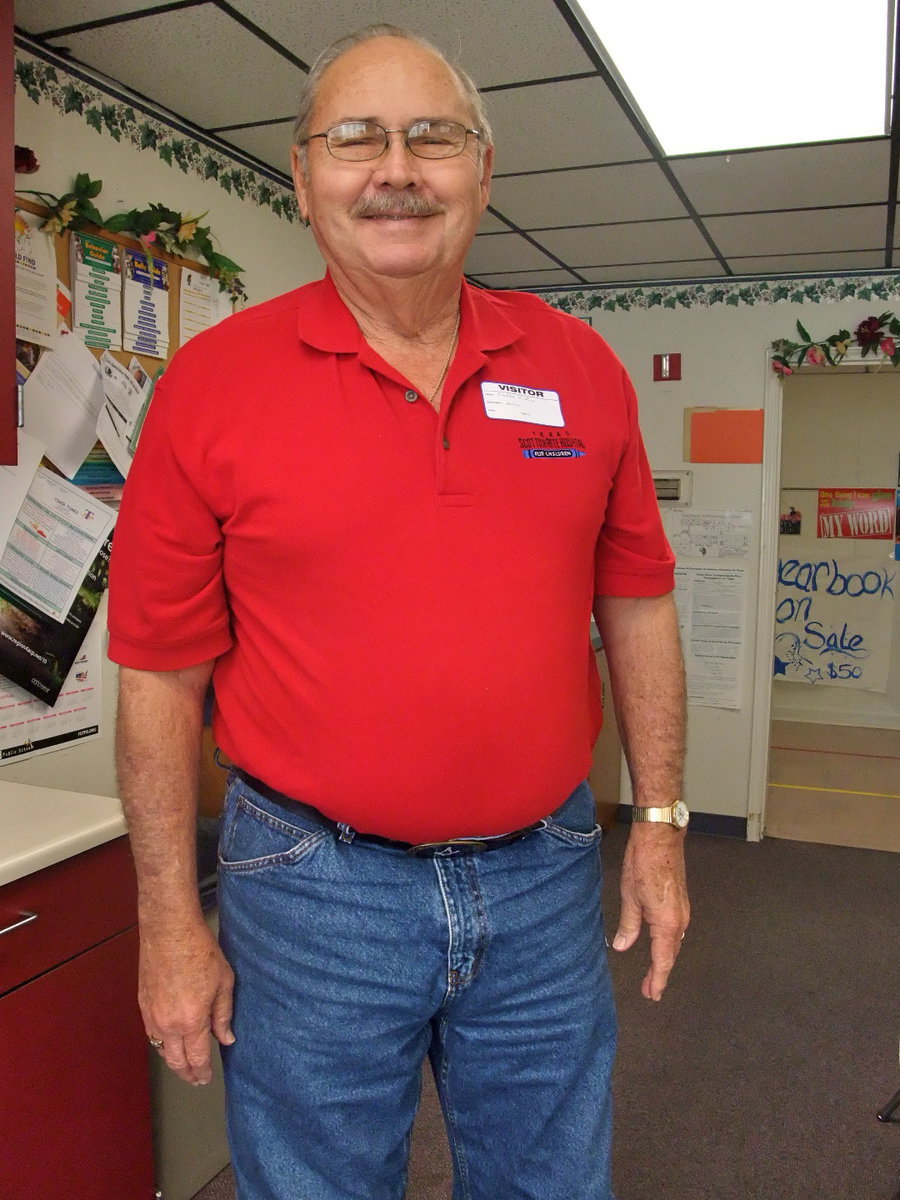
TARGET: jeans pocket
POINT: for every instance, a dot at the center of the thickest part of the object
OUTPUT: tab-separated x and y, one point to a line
572	837
252	839
574	822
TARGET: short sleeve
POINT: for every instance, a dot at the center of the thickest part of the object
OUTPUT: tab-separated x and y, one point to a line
168	607
633	556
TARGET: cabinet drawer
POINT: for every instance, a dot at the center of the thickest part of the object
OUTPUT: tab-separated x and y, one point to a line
78	902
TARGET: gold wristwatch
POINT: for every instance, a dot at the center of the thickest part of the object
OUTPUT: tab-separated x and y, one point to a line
676	814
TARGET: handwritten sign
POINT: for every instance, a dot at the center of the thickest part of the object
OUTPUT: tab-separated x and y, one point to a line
833	619
856	513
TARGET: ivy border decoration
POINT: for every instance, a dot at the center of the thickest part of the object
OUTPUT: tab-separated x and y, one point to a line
43	81
644	297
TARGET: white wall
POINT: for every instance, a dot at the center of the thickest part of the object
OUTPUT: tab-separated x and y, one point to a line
723	349
276	255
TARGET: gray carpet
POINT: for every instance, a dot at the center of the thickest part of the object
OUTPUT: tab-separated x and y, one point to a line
759	1075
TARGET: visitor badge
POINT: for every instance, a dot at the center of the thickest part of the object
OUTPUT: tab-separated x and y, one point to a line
514	402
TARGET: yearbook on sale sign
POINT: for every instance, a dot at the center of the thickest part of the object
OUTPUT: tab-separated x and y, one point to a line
856	513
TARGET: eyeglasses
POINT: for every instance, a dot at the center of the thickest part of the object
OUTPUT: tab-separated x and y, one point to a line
360	141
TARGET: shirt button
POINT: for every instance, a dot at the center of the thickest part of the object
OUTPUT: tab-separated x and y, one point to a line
411	396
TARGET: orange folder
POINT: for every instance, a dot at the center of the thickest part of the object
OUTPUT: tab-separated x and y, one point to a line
723	435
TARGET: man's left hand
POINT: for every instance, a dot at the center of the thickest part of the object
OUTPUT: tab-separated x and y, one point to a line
654	889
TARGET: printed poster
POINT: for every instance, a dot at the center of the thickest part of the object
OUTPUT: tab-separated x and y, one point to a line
711	603
856	513
38	653
834	618
29	727
35	281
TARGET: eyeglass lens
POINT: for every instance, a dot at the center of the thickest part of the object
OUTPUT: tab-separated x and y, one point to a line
361	140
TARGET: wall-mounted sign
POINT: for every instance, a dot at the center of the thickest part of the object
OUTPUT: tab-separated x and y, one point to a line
834	616
856	513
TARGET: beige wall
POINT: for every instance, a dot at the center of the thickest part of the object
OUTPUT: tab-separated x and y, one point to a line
724	363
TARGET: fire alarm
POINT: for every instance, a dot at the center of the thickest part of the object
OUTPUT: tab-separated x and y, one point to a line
666	367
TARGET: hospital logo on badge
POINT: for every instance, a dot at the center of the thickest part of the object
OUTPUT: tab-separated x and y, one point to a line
552	446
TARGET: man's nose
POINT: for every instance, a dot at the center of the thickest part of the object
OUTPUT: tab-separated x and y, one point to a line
398	165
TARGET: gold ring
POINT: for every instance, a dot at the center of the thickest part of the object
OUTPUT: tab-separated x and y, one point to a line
156	1043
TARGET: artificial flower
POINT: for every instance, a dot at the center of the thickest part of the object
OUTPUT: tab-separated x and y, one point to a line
62	218
888	346
815	356
868	332
781	367
26	162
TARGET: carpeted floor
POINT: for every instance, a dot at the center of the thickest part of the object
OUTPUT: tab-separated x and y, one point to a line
759	1075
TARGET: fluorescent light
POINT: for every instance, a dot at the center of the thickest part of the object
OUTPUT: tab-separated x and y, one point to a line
718	75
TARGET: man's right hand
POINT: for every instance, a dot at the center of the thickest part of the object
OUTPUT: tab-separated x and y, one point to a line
185	987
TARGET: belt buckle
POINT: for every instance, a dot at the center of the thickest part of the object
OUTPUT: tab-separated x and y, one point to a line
475	845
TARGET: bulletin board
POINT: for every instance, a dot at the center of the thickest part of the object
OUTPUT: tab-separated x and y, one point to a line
61	497
174	263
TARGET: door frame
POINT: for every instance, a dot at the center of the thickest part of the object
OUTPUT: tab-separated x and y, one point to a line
757	787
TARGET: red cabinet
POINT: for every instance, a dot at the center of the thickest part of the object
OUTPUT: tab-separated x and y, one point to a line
74	1088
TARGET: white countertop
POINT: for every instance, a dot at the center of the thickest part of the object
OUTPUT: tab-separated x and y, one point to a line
40	826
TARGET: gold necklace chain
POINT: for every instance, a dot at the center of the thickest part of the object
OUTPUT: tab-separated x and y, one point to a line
443	376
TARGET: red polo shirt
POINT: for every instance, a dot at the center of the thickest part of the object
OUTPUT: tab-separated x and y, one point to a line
397	600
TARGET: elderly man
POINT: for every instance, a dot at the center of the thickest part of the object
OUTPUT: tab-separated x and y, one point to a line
376	513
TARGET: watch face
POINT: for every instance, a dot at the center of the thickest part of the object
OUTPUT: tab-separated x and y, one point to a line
680	814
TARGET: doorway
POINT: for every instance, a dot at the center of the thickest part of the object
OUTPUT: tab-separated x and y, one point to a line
834	724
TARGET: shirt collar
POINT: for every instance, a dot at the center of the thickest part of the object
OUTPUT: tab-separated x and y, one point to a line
325	322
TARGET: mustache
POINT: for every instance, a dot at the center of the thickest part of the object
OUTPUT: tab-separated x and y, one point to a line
396	204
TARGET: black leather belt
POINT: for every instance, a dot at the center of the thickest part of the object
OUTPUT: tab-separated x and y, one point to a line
347	834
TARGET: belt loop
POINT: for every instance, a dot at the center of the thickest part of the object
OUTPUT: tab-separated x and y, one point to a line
345	833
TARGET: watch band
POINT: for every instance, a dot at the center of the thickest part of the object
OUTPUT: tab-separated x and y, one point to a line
671	814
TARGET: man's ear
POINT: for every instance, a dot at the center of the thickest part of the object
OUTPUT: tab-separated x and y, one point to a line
298	171
487	169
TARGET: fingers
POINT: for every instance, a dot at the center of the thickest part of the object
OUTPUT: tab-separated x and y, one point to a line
664	949
654	890
629	924
221	1019
185	994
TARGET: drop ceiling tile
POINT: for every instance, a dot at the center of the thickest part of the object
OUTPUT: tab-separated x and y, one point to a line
497	252
796	177
271	144
38	16
589	197
817	231
568	124
505	41
491	224
780	264
648	241
703	268
198	62
527	280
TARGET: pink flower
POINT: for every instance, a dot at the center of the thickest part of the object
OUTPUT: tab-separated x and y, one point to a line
150	237
814	356
888	346
782	367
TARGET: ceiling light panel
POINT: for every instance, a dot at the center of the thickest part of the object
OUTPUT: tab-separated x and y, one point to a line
710	75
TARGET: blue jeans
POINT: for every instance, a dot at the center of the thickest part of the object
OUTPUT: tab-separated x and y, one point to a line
354	961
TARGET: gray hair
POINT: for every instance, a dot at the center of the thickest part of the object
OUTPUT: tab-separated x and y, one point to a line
333	52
